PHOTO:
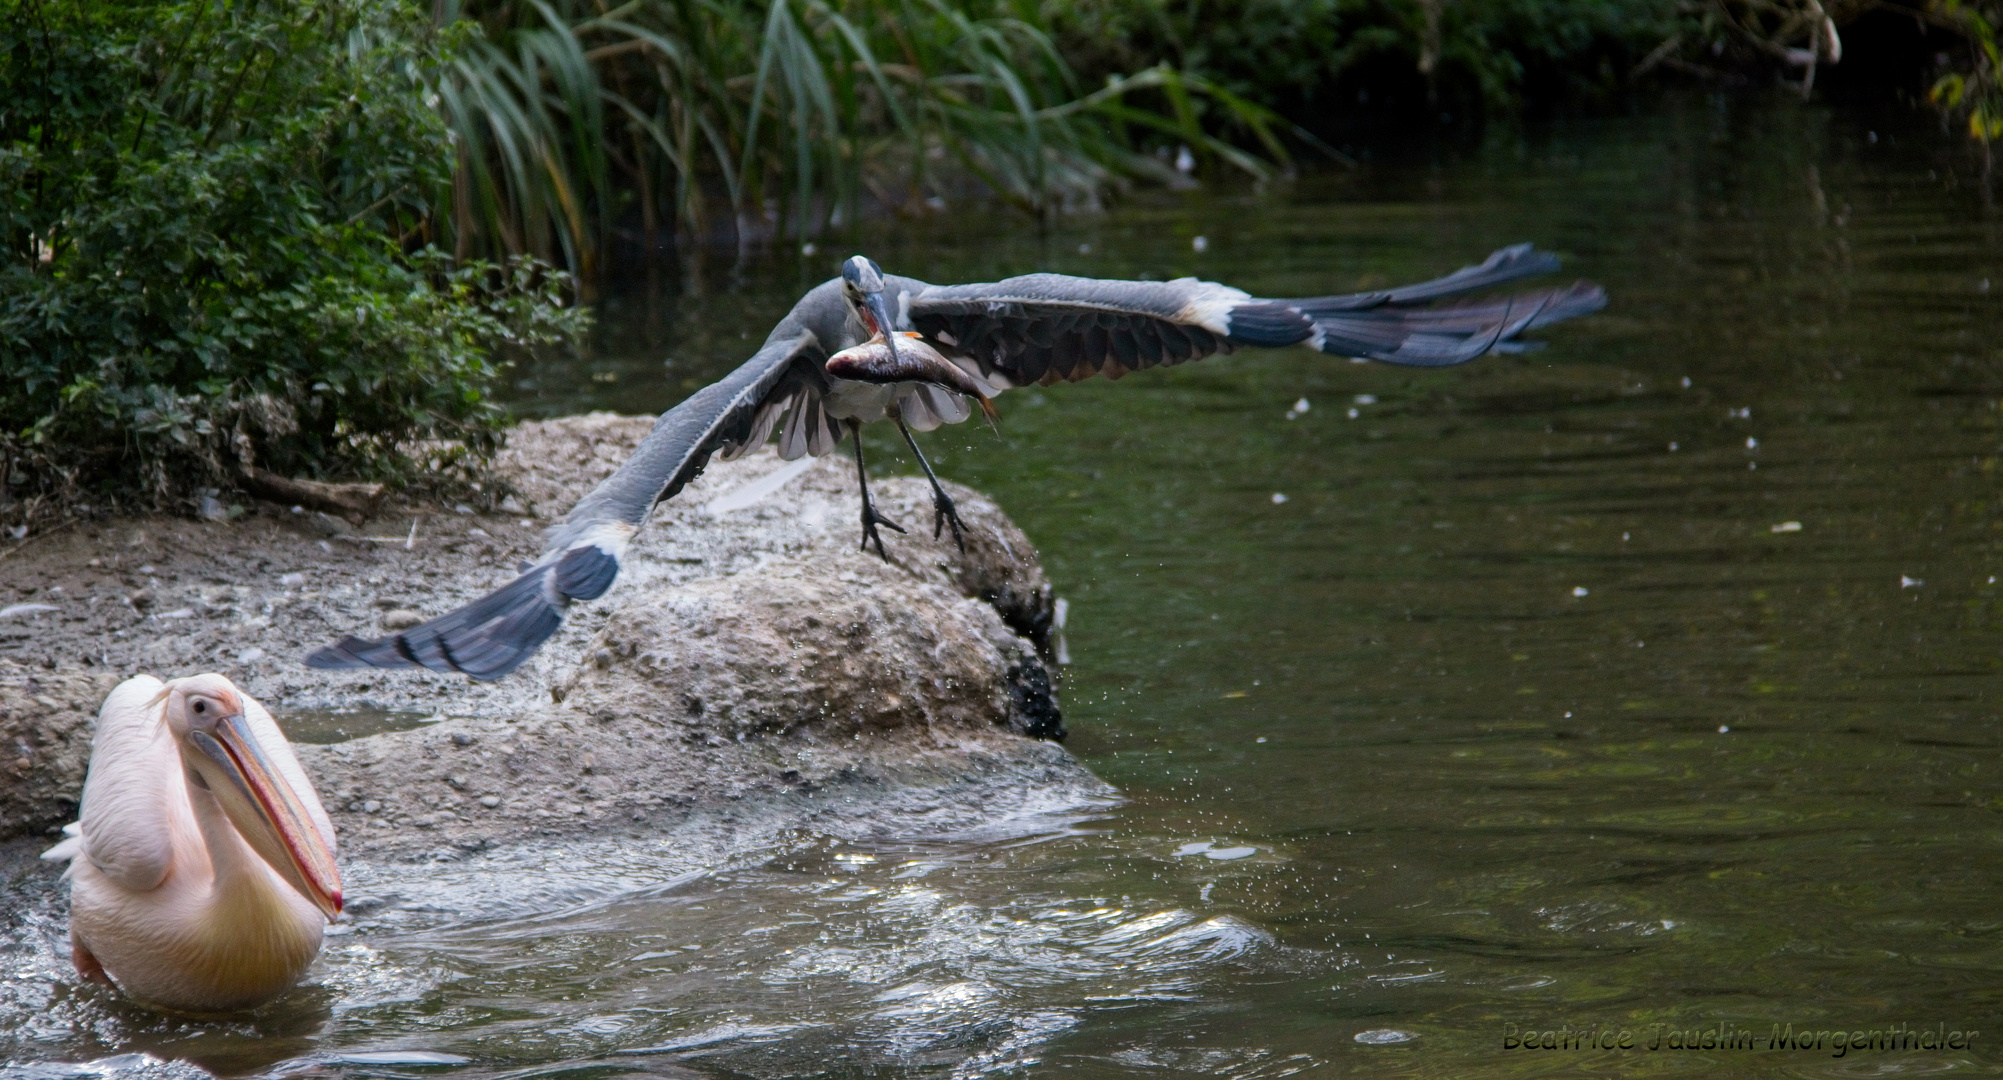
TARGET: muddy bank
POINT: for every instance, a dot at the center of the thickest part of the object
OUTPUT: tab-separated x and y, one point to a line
748	650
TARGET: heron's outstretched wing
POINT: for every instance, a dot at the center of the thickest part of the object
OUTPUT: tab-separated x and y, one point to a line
1046	328
493	635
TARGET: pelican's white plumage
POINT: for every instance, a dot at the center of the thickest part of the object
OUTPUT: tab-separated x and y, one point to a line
202	870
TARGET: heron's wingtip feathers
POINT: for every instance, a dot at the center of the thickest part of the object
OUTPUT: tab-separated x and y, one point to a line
1448	334
352	652
486	639
1583	298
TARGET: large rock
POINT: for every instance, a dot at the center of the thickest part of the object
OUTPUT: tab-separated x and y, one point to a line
45	728
741	652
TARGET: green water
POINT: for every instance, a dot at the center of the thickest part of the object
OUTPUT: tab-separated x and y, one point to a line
1528	706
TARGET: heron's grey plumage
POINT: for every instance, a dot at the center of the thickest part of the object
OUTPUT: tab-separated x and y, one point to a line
1037	328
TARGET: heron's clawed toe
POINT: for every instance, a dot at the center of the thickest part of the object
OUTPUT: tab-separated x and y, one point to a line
944	514
870	520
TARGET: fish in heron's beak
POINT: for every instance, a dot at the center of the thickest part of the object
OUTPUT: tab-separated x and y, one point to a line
221	747
907	357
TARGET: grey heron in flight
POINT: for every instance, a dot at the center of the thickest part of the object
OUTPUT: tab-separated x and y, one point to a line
868	346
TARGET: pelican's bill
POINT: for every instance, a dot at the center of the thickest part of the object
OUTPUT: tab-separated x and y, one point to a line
270	815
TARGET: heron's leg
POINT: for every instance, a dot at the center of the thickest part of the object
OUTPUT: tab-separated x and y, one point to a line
943	512
870	518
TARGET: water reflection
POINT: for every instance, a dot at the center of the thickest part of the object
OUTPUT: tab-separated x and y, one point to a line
340	725
1646	681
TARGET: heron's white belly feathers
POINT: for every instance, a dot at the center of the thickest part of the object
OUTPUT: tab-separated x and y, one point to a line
866	402
924	406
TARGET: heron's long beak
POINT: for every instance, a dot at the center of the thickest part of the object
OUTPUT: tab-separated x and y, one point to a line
267	811
885	329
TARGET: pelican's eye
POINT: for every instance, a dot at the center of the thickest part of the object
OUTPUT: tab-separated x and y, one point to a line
201	707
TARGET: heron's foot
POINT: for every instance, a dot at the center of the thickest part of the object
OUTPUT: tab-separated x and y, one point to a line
944	514
870	520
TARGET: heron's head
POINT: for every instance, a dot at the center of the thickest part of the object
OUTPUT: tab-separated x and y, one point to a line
228	756
862	287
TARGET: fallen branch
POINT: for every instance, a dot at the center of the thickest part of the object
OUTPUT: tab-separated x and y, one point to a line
51	531
1656	56
356	502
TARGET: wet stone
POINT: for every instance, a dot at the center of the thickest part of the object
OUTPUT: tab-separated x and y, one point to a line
741	657
853	671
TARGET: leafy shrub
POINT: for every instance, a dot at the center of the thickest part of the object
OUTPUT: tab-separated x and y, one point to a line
1970	89
205	206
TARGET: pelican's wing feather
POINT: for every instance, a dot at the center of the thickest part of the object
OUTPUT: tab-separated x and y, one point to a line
1046	328
69	847
131	806
495	634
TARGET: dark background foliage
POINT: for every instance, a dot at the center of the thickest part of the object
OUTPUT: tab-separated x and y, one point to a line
1328	62
223	219
203	204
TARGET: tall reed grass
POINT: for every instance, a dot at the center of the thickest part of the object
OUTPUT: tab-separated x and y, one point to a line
780	117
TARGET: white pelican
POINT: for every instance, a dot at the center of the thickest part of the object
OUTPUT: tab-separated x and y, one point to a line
202	869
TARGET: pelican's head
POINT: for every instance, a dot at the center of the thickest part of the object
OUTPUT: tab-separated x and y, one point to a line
862	287
224	755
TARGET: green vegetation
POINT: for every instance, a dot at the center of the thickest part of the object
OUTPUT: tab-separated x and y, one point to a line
1293	54
751	119
224	218
226	222
780	116
1971	91
210	212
